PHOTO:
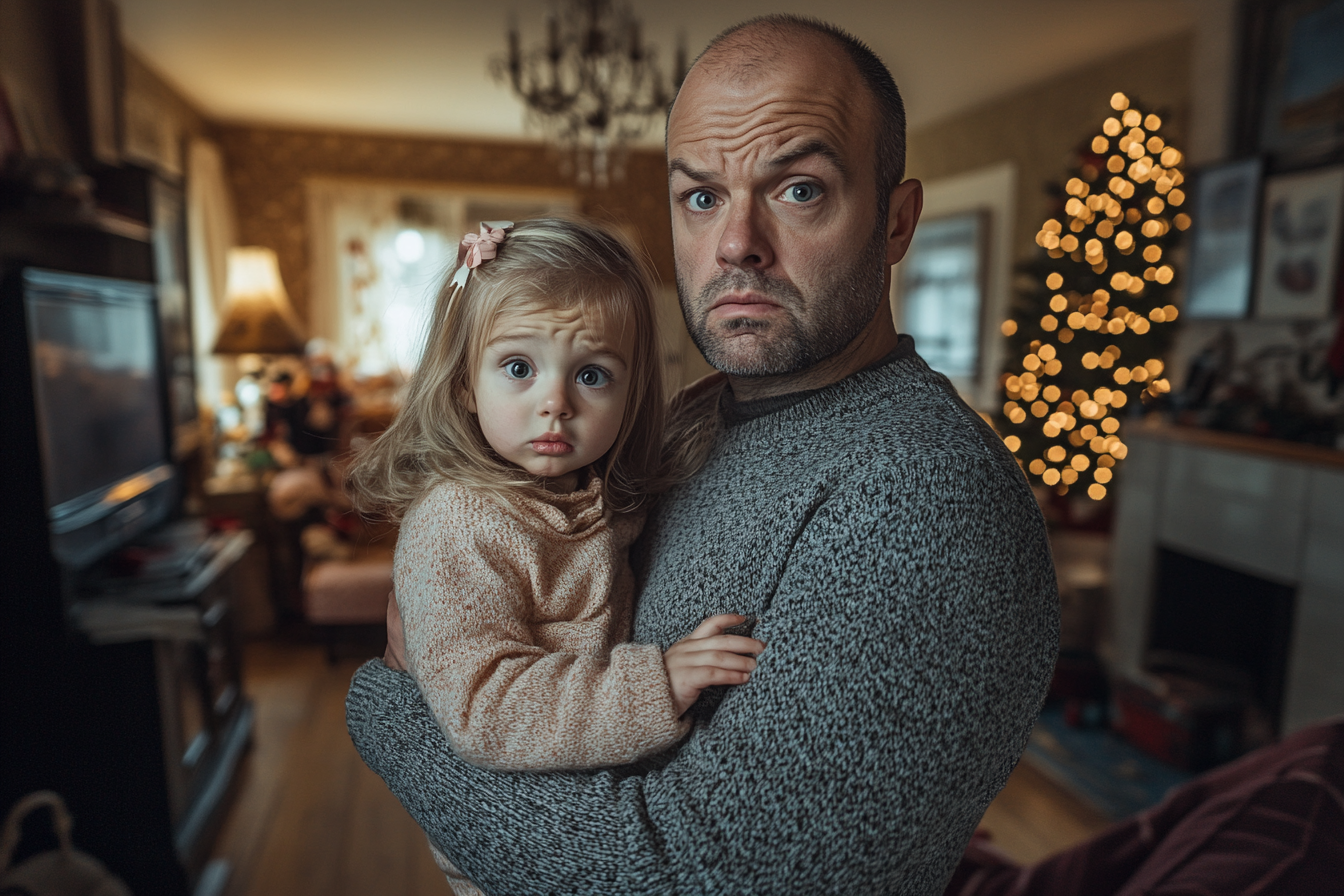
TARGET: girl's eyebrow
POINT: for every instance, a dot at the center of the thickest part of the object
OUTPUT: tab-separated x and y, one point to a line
513	337
596	348
605	352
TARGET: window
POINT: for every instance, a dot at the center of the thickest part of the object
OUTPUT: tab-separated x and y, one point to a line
942	293
951	290
380	253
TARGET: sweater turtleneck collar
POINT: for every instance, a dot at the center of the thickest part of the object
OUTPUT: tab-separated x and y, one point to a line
571	513
735	412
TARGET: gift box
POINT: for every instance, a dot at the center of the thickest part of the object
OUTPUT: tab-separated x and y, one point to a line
1186	723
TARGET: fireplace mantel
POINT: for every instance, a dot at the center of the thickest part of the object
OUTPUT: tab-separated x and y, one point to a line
1272	509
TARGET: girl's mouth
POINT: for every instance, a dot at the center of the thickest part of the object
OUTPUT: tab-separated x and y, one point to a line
553	448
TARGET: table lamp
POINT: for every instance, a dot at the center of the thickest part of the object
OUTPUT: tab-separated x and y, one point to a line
257	318
258	322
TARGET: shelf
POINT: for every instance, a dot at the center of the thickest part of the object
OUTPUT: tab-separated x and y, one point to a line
97	220
136	615
1263	446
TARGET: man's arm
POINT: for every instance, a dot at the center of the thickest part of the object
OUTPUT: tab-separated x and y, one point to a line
907	659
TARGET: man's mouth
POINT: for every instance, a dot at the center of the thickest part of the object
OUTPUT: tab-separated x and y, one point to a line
733	305
551	443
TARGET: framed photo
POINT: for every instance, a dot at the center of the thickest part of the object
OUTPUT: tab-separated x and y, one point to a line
1222	250
1293	80
942	289
1299	245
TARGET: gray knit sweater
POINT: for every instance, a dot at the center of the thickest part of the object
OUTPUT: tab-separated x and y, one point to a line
899	568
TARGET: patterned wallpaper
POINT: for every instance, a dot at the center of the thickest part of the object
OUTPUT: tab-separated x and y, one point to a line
267	167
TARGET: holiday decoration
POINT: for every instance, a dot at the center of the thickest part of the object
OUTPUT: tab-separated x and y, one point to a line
1087	339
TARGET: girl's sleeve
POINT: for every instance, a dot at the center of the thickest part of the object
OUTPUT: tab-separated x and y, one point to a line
502	701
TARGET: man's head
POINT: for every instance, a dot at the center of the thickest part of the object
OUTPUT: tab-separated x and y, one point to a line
785	149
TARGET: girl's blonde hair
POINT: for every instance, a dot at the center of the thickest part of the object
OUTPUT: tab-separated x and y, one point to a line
546	263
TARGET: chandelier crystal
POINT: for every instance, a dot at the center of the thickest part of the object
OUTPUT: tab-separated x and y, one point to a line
592	87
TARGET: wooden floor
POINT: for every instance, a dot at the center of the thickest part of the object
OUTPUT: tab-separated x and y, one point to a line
310	818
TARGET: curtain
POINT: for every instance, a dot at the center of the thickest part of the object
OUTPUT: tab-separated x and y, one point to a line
211	232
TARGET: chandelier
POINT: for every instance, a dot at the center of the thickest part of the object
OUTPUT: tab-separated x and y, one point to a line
591	88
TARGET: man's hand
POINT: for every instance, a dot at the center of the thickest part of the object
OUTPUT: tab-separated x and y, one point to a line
395	655
704	658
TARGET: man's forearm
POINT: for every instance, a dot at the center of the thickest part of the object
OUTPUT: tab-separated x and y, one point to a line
514	833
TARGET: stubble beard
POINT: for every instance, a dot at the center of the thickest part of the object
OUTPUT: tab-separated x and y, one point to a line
841	307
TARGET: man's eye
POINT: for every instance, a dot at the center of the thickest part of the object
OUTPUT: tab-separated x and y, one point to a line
593	377
802	192
518	370
702	200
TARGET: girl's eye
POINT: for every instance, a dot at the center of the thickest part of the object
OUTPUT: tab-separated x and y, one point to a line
518	370
802	192
593	377
702	200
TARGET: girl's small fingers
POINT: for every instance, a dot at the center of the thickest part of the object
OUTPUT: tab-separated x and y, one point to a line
723	659
732	643
715	625
708	676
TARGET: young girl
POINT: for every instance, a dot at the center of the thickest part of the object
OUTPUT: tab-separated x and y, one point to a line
519	467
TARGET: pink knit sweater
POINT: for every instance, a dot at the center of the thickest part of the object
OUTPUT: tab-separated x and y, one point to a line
515	621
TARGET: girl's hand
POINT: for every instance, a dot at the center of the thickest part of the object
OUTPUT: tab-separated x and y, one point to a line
395	655
708	657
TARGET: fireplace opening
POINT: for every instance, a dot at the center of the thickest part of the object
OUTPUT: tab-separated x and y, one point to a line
1224	628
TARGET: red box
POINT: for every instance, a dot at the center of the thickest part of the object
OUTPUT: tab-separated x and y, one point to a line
1186	723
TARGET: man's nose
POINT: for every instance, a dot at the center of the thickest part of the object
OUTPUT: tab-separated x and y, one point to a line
744	243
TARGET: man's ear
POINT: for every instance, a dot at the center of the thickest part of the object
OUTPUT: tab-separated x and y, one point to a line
903	208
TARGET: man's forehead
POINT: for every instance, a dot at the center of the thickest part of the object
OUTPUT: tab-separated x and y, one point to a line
763	104
768	131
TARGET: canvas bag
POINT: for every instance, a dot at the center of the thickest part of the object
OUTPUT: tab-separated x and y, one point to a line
61	872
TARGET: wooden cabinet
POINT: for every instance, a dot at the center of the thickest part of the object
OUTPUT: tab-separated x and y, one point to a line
205	720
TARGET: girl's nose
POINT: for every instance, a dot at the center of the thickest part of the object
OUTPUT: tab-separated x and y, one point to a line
556	403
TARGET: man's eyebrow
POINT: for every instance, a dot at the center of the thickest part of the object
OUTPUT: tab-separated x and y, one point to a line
812	148
694	174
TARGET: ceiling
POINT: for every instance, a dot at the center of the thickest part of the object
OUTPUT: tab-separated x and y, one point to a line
420	66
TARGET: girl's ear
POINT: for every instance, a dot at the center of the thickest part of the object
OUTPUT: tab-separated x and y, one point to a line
466	395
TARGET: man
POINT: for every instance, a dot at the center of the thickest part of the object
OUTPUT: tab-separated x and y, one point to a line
878	530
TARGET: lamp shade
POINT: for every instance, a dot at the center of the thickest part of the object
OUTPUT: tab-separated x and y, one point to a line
257	318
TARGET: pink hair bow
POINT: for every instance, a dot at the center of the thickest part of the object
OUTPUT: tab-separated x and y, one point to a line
478	248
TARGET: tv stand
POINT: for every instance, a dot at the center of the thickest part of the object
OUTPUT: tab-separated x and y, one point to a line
136	715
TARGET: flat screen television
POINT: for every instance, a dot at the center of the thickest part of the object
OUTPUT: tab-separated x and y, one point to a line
97	386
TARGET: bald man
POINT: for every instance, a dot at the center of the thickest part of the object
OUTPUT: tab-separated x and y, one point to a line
880	533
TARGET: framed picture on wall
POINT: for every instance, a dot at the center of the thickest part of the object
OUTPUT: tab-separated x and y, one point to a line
942	289
1299	245
1222	250
1293	80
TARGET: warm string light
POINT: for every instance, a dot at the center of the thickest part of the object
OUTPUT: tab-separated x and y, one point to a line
1118	238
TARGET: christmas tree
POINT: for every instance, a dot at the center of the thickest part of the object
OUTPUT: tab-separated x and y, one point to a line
1086	339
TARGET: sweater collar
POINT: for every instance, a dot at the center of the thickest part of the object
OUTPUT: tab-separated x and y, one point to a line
570	513
735	412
